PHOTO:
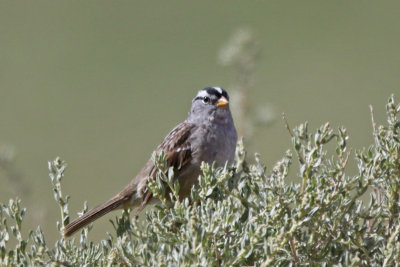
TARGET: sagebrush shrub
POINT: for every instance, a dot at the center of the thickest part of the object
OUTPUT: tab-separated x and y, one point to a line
247	215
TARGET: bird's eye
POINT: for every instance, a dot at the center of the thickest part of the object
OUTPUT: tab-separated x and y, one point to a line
206	100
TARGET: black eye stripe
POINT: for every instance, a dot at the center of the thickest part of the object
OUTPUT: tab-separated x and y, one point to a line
205	99
213	91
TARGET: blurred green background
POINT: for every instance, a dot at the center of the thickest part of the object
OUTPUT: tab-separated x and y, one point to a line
100	83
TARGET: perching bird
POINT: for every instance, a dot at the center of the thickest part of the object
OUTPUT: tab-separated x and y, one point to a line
208	134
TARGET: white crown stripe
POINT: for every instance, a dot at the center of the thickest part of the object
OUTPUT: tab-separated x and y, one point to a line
219	89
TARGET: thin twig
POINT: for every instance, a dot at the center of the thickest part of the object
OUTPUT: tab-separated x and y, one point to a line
294	252
218	263
375	133
301	159
371	223
287	124
346	159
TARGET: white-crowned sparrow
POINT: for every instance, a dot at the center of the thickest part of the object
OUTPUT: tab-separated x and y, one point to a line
208	134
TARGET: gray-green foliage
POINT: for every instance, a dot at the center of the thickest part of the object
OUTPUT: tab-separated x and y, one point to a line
246	215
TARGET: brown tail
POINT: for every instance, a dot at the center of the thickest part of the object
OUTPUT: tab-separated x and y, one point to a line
94	214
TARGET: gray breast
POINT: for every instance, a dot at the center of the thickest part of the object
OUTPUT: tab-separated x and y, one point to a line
218	144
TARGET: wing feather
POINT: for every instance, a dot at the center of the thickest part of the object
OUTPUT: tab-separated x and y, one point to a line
178	149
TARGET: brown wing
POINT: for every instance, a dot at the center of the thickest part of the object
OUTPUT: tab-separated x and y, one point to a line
177	147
